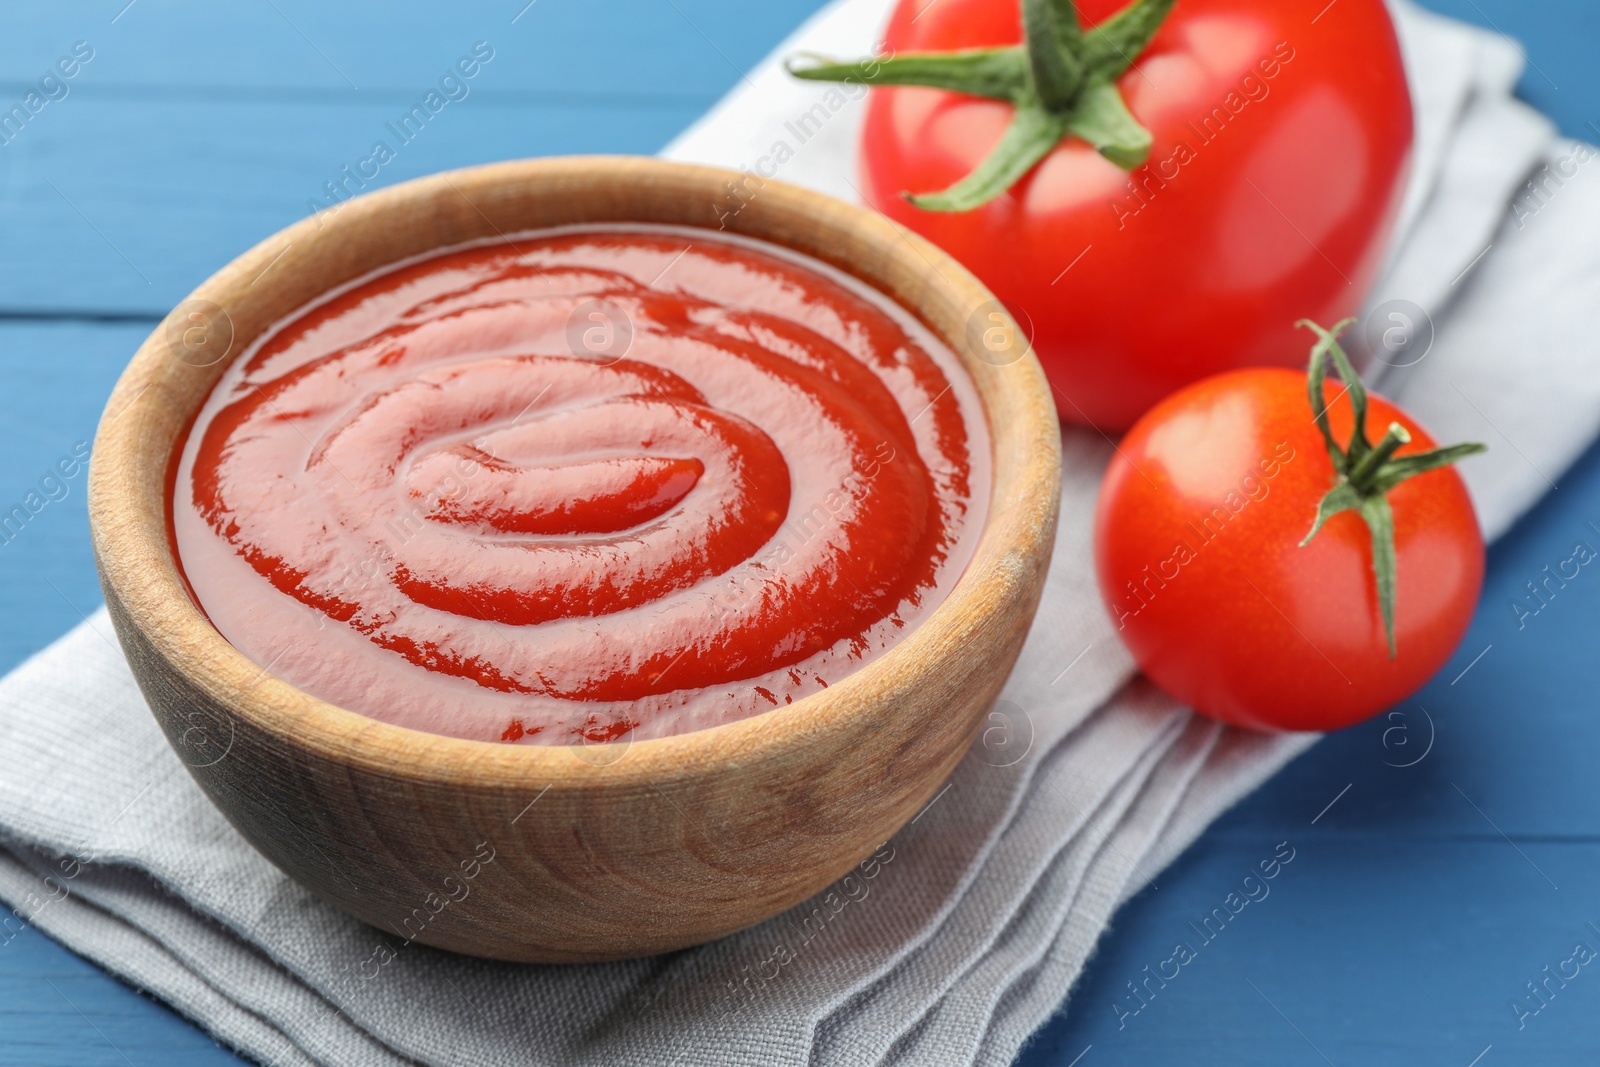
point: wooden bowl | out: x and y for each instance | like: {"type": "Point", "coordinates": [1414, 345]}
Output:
{"type": "Point", "coordinates": [567, 854]}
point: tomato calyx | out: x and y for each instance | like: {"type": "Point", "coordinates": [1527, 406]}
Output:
{"type": "Point", "coordinates": [1061, 81]}
{"type": "Point", "coordinates": [1366, 471]}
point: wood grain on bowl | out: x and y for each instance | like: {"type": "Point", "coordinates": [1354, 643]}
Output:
{"type": "Point", "coordinates": [549, 853]}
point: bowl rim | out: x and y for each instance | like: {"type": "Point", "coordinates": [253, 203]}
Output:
{"type": "Point", "coordinates": [138, 564]}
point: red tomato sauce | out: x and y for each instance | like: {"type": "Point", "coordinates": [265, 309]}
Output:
{"type": "Point", "coordinates": [577, 486]}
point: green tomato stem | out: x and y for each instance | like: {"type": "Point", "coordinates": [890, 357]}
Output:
{"type": "Point", "coordinates": [1363, 470]}
{"type": "Point", "coordinates": [1364, 473]}
{"type": "Point", "coordinates": [1061, 80]}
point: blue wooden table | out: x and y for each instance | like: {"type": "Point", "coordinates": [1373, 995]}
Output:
{"type": "Point", "coordinates": [1445, 855]}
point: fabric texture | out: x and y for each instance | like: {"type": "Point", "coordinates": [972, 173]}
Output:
{"type": "Point", "coordinates": [980, 914]}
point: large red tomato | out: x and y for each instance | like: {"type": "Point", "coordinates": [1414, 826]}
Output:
{"type": "Point", "coordinates": [1281, 131]}
{"type": "Point", "coordinates": [1199, 556]}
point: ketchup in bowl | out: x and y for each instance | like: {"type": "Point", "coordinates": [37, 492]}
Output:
{"type": "Point", "coordinates": [580, 485]}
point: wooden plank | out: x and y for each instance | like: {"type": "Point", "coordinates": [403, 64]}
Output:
{"type": "Point", "coordinates": [1386, 951]}
{"type": "Point", "coordinates": [683, 47]}
{"type": "Point", "coordinates": [102, 210]}
{"type": "Point", "coordinates": [197, 130]}
{"type": "Point", "coordinates": [57, 377]}
{"type": "Point", "coordinates": [59, 1009]}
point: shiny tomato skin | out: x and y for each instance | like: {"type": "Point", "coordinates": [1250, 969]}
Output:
{"type": "Point", "coordinates": [1132, 285]}
{"type": "Point", "coordinates": [1246, 626]}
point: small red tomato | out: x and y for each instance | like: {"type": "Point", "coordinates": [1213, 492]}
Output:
{"type": "Point", "coordinates": [1204, 562]}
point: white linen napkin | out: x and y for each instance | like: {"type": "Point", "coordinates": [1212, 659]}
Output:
{"type": "Point", "coordinates": [979, 915]}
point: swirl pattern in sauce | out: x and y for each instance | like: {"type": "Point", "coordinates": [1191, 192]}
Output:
{"type": "Point", "coordinates": [581, 485]}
